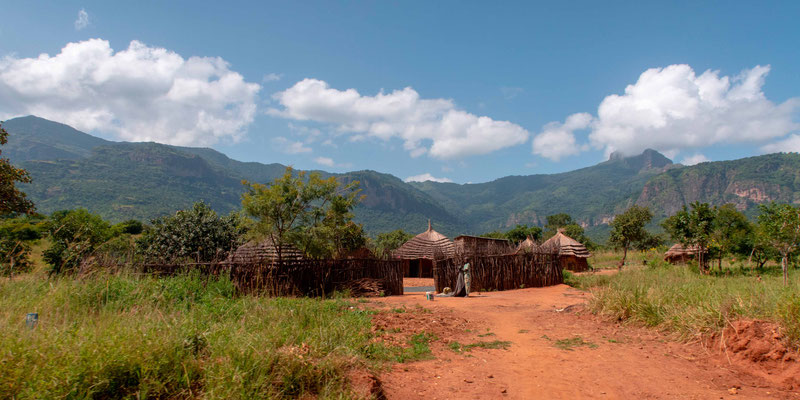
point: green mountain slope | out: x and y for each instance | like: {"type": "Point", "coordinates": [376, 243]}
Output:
{"type": "Point", "coordinates": [146, 180]}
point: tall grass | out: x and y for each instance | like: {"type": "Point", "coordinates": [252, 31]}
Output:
{"type": "Point", "coordinates": [679, 299]}
{"type": "Point", "coordinates": [177, 337]}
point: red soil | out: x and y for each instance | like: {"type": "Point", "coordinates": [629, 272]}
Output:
{"type": "Point", "coordinates": [610, 361]}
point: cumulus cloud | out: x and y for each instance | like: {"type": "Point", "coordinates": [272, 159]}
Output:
{"type": "Point", "coordinates": [790, 144]}
{"type": "Point", "coordinates": [452, 133]}
{"type": "Point", "coordinates": [693, 159]}
{"type": "Point", "coordinates": [82, 21]}
{"type": "Point", "coordinates": [557, 140]}
{"type": "Point", "coordinates": [326, 161]}
{"type": "Point", "coordinates": [289, 146]}
{"type": "Point", "coordinates": [672, 109]}
{"type": "Point", "coordinates": [426, 177]}
{"type": "Point", "coordinates": [141, 93]}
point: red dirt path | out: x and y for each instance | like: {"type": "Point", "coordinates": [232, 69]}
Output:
{"type": "Point", "coordinates": [622, 362]}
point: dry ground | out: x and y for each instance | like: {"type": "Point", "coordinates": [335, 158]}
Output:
{"type": "Point", "coordinates": [557, 351]}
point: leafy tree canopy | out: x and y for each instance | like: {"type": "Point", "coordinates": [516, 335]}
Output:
{"type": "Point", "coordinates": [307, 211]}
{"type": "Point", "coordinates": [11, 198]}
{"type": "Point", "coordinates": [196, 234]}
{"type": "Point", "coordinates": [780, 225]}
{"type": "Point", "coordinates": [627, 229]}
{"type": "Point", "coordinates": [74, 235]}
{"type": "Point", "coordinates": [390, 241]}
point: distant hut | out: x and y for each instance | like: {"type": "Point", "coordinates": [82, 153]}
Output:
{"type": "Point", "coordinates": [679, 254]}
{"type": "Point", "coordinates": [421, 250]}
{"type": "Point", "coordinates": [263, 252]}
{"type": "Point", "coordinates": [361, 253]}
{"type": "Point", "coordinates": [572, 254]}
{"type": "Point", "coordinates": [528, 246]}
{"type": "Point", "coordinates": [475, 245]}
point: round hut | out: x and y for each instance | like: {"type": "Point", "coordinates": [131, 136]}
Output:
{"type": "Point", "coordinates": [263, 252]}
{"type": "Point", "coordinates": [572, 254]}
{"type": "Point", "coordinates": [680, 254]}
{"type": "Point", "coordinates": [527, 246]}
{"type": "Point", "coordinates": [419, 252]}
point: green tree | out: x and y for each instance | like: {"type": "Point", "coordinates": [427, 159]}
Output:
{"type": "Point", "coordinates": [11, 198]}
{"type": "Point", "coordinates": [74, 235]}
{"type": "Point", "coordinates": [302, 209]}
{"type": "Point", "coordinates": [556, 222]}
{"type": "Point", "coordinates": [780, 225]}
{"type": "Point", "coordinates": [520, 232]}
{"type": "Point", "coordinates": [693, 228]}
{"type": "Point", "coordinates": [731, 229]}
{"type": "Point", "coordinates": [197, 234]}
{"type": "Point", "coordinates": [131, 227]}
{"type": "Point", "coordinates": [387, 242]}
{"type": "Point", "coordinates": [627, 229]}
{"type": "Point", "coordinates": [16, 236]}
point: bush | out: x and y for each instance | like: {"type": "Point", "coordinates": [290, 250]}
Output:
{"type": "Point", "coordinates": [74, 235]}
{"type": "Point", "coordinates": [130, 227]}
{"type": "Point", "coordinates": [197, 234]}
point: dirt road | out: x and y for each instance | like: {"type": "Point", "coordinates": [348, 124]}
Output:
{"type": "Point", "coordinates": [557, 351]}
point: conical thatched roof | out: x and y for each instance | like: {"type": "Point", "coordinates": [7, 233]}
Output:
{"type": "Point", "coordinates": [429, 244]}
{"type": "Point", "coordinates": [678, 250]}
{"type": "Point", "coordinates": [528, 246]}
{"type": "Point", "coordinates": [566, 246]}
{"type": "Point", "coordinates": [262, 251]}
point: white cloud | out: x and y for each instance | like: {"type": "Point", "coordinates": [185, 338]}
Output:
{"type": "Point", "coordinates": [790, 144]}
{"type": "Point", "coordinates": [426, 177]}
{"type": "Point", "coordinates": [271, 77]}
{"type": "Point", "coordinates": [557, 140]}
{"type": "Point", "coordinates": [326, 161]}
{"type": "Point", "coordinates": [289, 146]}
{"type": "Point", "coordinates": [141, 93]}
{"type": "Point", "coordinates": [82, 21]}
{"type": "Point", "coordinates": [452, 133]}
{"type": "Point", "coordinates": [672, 109]}
{"type": "Point", "coordinates": [695, 158]}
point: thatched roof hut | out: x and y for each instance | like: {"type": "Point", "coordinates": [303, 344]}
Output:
{"type": "Point", "coordinates": [528, 246]}
{"type": "Point", "coordinates": [572, 254]}
{"type": "Point", "coordinates": [421, 250]}
{"type": "Point", "coordinates": [427, 245]}
{"type": "Point", "coordinates": [678, 254]}
{"type": "Point", "coordinates": [264, 251]}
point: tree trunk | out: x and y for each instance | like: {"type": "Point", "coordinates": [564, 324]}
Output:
{"type": "Point", "coordinates": [624, 256]}
{"type": "Point", "coordinates": [719, 265]}
{"type": "Point", "coordinates": [784, 266]}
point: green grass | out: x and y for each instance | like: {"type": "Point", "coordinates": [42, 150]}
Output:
{"type": "Point", "coordinates": [179, 337]}
{"type": "Point", "coordinates": [681, 300]}
{"type": "Point", "coordinates": [496, 344]}
{"type": "Point", "coordinates": [418, 349]}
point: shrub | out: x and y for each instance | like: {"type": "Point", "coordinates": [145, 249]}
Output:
{"type": "Point", "coordinates": [74, 235]}
{"type": "Point", "coordinates": [197, 234]}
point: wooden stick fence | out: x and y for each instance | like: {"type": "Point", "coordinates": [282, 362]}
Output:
{"type": "Point", "coordinates": [503, 272]}
{"type": "Point", "coordinates": [316, 277]}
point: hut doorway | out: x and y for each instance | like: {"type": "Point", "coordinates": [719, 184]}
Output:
{"type": "Point", "coordinates": [420, 268]}
{"type": "Point", "coordinates": [413, 268]}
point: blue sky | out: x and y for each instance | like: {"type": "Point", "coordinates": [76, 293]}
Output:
{"type": "Point", "coordinates": [465, 91]}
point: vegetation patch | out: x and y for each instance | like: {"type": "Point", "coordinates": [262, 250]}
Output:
{"type": "Point", "coordinates": [181, 336]}
{"type": "Point", "coordinates": [496, 344]}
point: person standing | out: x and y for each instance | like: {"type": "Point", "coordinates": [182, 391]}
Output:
{"type": "Point", "coordinates": [467, 277]}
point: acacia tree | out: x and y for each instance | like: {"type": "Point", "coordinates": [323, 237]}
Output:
{"type": "Point", "coordinates": [302, 209]}
{"type": "Point", "coordinates": [780, 224]}
{"type": "Point", "coordinates": [627, 229]}
{"type": "Point", "coordinates": [12, 200]}
{"type": "Point", "coordinates": [693, 228]}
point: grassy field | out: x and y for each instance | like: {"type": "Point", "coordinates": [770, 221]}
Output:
{"type": "Point", "coordinates": [178, 337]}
{"type": "Point", "coordinates": [681, 300]}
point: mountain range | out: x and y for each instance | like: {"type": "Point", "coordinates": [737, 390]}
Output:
{"type": "Point", "coordinates": [121, 180]}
